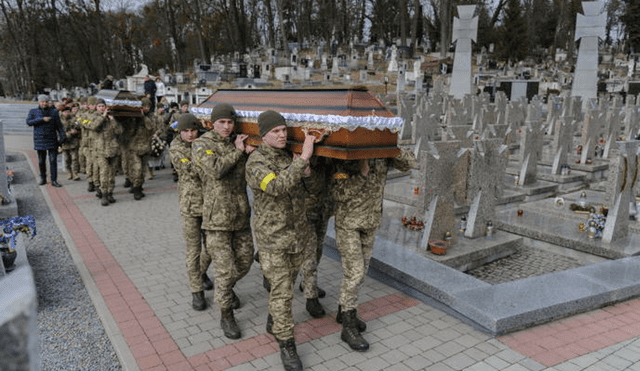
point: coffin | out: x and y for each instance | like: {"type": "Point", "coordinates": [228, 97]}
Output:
{"type": "Point", "coordinates": [358, 124]}
{"type": "Point", "coordinates": [121, 102]}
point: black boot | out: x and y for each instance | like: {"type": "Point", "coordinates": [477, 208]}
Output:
{"type": "Point", "coordinates": [127, 183]}
{"type": "Point", "coordinates": [350, 333]}
{"type": "Point", "coordinates": [91, 187]}
{"type": "Point", "coordinates": [321, 292]}
{"type": "Point", "coordinates": [99, 193]}
{"type": "Point", "coordinates": [137, 193]}
{"type": "Point", "coordinates": [269, 324]}
{"type": "Point", "coordinates": [43, 181]}
{"type": "Point", "coordinates": [228, 324]}
{"type": "Point", "coordinates": [105, 201]}
{"type": "Point", "coordinates": [110, 198]}
{"type": "Point", "coordinates": [206, 282]}
{"type": "Point", "coordinates": [198, 302]}
{"type": "Point", "coordinates": [266, 284]}
{"type": "Point", "coordinates": [235, 303]}
{"type": "Point", "coordinates": [314, 308]}
{"type": "Point", "coordinates": [362, 325]}
{"type": "Point", "coordinates": [289, 355]}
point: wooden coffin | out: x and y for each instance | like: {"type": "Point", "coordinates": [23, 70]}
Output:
{"type": "Point", "coordinates": [121, 102]}
{"type": "Point", "coordinates": [359, 125]}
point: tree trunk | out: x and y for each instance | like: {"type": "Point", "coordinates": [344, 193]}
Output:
{"type": "Point", "coordinates": [445, 26]}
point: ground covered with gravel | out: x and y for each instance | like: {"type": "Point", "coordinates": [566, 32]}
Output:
{"type": "Point", "coordinates": [72, 336]}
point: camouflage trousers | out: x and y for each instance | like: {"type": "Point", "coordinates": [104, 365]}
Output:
{"type": "Point", "coordinates": [82, 160]}
{"type": "Point", "coordinates": [198, 260]}
{"type": "Point", "coordinates": [132, 167]}
{"type": "Point", "coordinates": [281, 269]}
{"type": "Point", "coordinates": [309, 268]}
{"type": "Point", "coordinates": [232, 254]}
{"type": "Point", "coordinates": [71, 160]}
{"type": "Point", "coordinates": [93, 172]}
{"type": "Point", "coordinates": [356, 247]}
{"type": "Point", "coordinates": [107, 166]}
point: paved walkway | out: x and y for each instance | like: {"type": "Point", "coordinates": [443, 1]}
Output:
{"type": "Point", "coordinates": [131, 257]}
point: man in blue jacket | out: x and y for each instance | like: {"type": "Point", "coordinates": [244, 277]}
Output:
{"type": "Point", "coordinates": [48, 133]}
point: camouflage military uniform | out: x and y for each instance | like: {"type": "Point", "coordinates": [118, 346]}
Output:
{"type": "Point", "coordinates": [90, 137]}
{"type": "Point", "coordinates": [358, 201]}
{"type": "Point", "coordinates": [82, 157]}
{"type": "Point", "coordinates": [106, 149]}
{"type": "Point", "coordinates": [71, 145]}
{"type": "Point", "coordinates": [138, 147]}
{"type": "Point", "coordinates": [226, 212]}
{"type": "Point", "coordinates": [281, 228]}
{"type": "Point", "coordinates": [190, 196]}
{"type": "Point", "coordinates": [319, 207]}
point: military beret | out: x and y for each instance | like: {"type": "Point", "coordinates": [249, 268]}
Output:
{"type": "Point", "coordinates": [223, 111]}
{"type": "Point", "coordinates": [188, 121]}
{"type": "Point", "coordinates": [83, 100]}
{"type": "Point", "coordinates": [269, 120]}
{"type": "Point", "coordinates": [100, 101]}
{"type": "Point", "coordinates": [92, 101]}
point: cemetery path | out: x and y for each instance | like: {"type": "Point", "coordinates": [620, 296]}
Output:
{"type": "Point", "coordinates": [131, 260]}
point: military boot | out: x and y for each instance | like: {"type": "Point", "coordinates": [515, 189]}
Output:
{"type": "Point", "coordinates": [350, 333]}
{"type": "Point", "coordinates": [99, 193]}
{"type": "Point", "coordinates": [70, 176]}
{"type": "Point", "coordinates": [362, 325]}
{"type": "Point", "coordinates": [105, 201]}
{"type": "Point", "coordinates": [314, 308]}
{"type": "Point", "coordinates": [269, 324]}
{"type": "Point", "coordinates": [91, 187]}
{"type": "Point", "coordinates": [109, 197]}
{"type": "Point", "coordinates": [228, 324]}
{"type": "Point", "coordinates": [206, 282]}
{"type": "Point", "coordinates": [127, 183]}
{"type": "Point", "coordinates": [198, 302]}
{"type": "Point", "coordinates": [289, 355]}
{"type": "Point", "coordinates": [137, 193]}
{"type": "Point", "coordinates": [75, 176]}
{"type": "Point", "coordinates": [235, 301]}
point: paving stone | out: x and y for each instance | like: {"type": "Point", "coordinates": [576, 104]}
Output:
{"type": "Point", "coordinates": [450, 348]}
{"type": "Point", "coordinates": [481, 366]}
{"type": "Point", "coordinates": [497, 362]}
{"type": "Point", "coordinates": [459, 361]}
{"type": "Point", "coordinates": [374, 364]}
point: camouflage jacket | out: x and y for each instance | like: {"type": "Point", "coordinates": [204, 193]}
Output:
{"type": "Point", "coordinates": [318, 203]}
{"type": "Point", "coordinates": [220, 166]}
{"type": "Point", "coordinates": [106, 131]}
{"type": "Point", "coordinates": [358, 198]}
{"type": "Point", "coordinates": [81, 121]}
{"type": "Point", "coordinates": [279, 222]}
{"type": "Point", "coordinates": [141, 133]}
{"type": "Point", "coordinates": [93, 135]}
{"type": "Point", "coordinates": [189, 184]}
{"type": "Point", "coordinates": [72, 140]}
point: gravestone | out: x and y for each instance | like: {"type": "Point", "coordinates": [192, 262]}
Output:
{"type": "Point", "coordinates": [485, 184]}
{"type": "Point", "coordinates": [442, 176]}
{"type": "Point", "coordinates": [401, 82]}
{"type": "Point", "coordinates": [406, 111]}
{"type": "Point", "coordinates": [589, 27]}
{"type": "Point", "coordinates": [393, 63]}
{"type": "Point", "coordinates": [465, 30]}
{"type": "Point", "coordinates": [561, 144]}
{"type": "Point", "coordinates": [335, 69]}
{"type": "Point", "coordinates": [621, 183]}
{"type": "Point", "coordinates": [590, 126]}
{"type": "Point", "coordinates": [531, 142]}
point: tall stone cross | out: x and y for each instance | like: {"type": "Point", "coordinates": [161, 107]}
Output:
{"type": "Point", "coordinates": [589, 27]}
{"type": "Point", "coordinates": [623, 178]}
{"type": "Point", "coordinates": [465, 30]}
{"type": "Point", "coordinates": [531, 143]}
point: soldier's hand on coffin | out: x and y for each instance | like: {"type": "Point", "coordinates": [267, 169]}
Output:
{"type": "Point", "coordinates": [239, 142]}
{"type": "Point", "coordinates": [364, 167]}
{"type": "Point", "coordinates": [307, 146]}
{"type": "Point", "coordinates": [249, 148]}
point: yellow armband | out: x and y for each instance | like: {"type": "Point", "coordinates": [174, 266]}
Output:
{"type": "Point", "coordinates": [266, 180]}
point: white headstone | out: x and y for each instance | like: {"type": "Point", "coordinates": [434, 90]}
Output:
{"type": "Point", "coordinates": [465, 30]}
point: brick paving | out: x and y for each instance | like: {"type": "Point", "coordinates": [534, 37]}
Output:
{"type": "Point", "coordinates": [133, 254]}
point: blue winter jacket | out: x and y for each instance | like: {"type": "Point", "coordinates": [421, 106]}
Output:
{"type": "Point", "coordinates": [46, 135]}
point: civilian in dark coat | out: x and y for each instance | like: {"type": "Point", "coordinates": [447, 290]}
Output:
{"type": "Point", "coordinates": [48, 133]}
{"type": "Point", "coordinates": [150, 89]}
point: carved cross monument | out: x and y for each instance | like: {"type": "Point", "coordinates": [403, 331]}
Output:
{"type": "Point", "coordinates": [465, 29]}
{"type": "Point", "coordinates": [589, 27]}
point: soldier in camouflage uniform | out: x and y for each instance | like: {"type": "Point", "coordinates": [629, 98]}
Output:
{"type": "Point", "coordinates": [91, 139]}
{"type": "Point", "coordinates": [318, 208]}
{"type": "Point", "coordinates": [280, 224]}
{"type": "Point", "coordinates": [71, 143]}
{"type": "Point", "coordinates": [138, 148]}
{"type": "Point", "coordinates": [190, 196]}
{"type": "Point", "coordinates": [220, 159]}
{"type": "Point", "coordinates": [357, 189]}
{"type": "Point", "coordinates": [78, 111]}
{"type": "Point", "coordinates": [107, 146]}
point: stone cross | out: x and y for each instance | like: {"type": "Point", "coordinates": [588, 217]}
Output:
{"type": "Point", "coordinates": [589, 27]}
{"type": "Point", "coordinates": [561, 144]}
{"type": "Point", "coordinates": [406, 112]}
{"type": "Point", "coordinates": [488, 163]}
{"type": "Point", "coordinates": [531, 142]}
{"type": "Point", "coordinates": [335, 69]}
{"type": "Point", "coordinates": [443, 175]}
{"type": "Point", "coordinates": [623, 177]}
{"type": "Point", "coordinates": [465, 30]}
{"type": "Point", "coordinates": [590, 126]}
{"type": "Point", "coordinates": [393, 63]}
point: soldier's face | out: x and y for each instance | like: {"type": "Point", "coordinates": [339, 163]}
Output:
{"type": "Point", "coordinates": [224, 127]}
{"type": "Point", "coordinates": [101, 107]}
{"type": "Point", "coordinates": [92, 107]}
{"type": "Point", "coordinates": [189, 135]}
{"type": "Point", "coordinates": [276, 137]}
{"type": "Point", "coordinates": [184, 108]}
